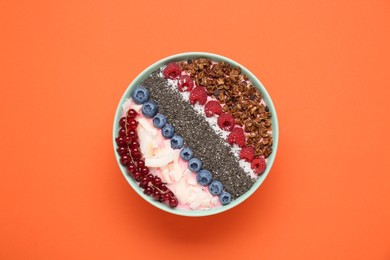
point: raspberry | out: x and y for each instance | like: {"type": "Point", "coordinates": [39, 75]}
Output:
{"type": "Point", "coordinates": [226, 121]}
{"type": "Point", "coordinates": [185, 83]}
{"type": "Point", "coordinates": [172, 71]}
{"type": "Point", "coordinates": [198, 94]}
{"type": "Point", "coordinates": [258, 165]}
{"type": "Point", "coordinates": [237, 136]}
{"type": "Point", "coordinates": [212, 108]}
{"type": "Point", "coordinates": [247, 153]}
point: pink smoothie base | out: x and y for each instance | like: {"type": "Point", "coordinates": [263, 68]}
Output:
{"type": "Point", "coordinates": [166, 163]}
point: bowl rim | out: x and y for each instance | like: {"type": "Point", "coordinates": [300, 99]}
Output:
{"type": "Point", "coordinates": [254, 80]}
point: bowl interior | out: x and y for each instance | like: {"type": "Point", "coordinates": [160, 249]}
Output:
{"type": "Point", "coordinates": [192, 55]}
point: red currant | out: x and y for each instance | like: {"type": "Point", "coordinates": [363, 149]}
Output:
{"type": "Point", "coordinates": [137, 176]}
{"type": "Point", "coordinates": [148, 191]}
{"type": "Point", "coordinates": [132, 124]}
{"type": "Point", "coordinates": [140, 163]}
{"type": "Point", "coordinates": [122, 132]}
{"type": "Point", "coordinates": [123, 122]}
{"type": "Point", "coordinates": [156, 194]}
{"type": "Point", "coordinates": [122, 150]}
{"type": "Point", "coordinates": [136, 155]}
{"type": "Point", "coordinates": [144, 181]}
{"type": "Point", "coordinates": [120, 141]}
{"type": "Point", "coordinates": [128, 139]}
{"type": "Point", "coordinates": [125, 160]}
{"type": "Point", "coordinates": [131, 167]}
{"type": "Point", "coordinates": [133, 134]}
{"type": "Point", "coordinates": [131, 113]}
{"type": "Point", "coordinates": [134, 144]}
{"type": "Point", "coordinates": [144, 170]}
{"type": "Point", "coordinates": [173, 202]}
{"type": "Point", "coordinates": [167, 197]}
{"type": "Point", "coordinates": [163, 187]}
{"type": "Point", "coordinates": [157, 181]}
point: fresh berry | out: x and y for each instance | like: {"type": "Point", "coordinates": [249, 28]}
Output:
{"type": "Point", "coordinates": [226, 121]}
{"type": "Point", "coordinates": [203, 177]}
{"type": "Point", "coordinates": [177, 142]}
{"type": "Point", "coordinates": [131, 113]}
{"type": "Point", "coordinates": [198, 94]}
{"type": "Point", "coordinates": [148, 191]}
{"type": "Point", "coordinates": [140, 163]}
{"type": "Point", "coordinates": [185, 83]}
{"type": "Point", "coordinates": [168, 131]}
{"type": "Point", "coordinates": [172, 71]}
{"type": "Point", "coordinates": [137, 176]}
{"type": "Point", "coordinates": [120, 141]}
{"type": "Point", "coordinates": [149, 109]}
{"type": "Point", "coordinates": [140, 95]}
{"type": "Point", "coordinates": [247, 153]}
{"type": "Point", "coordinates": [159, 121]}
{"type": "Point", "coordinates": [216, 188]}
{"type": "Point", "coordinates": [212, 107]}
{"type": "Point", "coordinates": [194, 164]}
{"type": "Point", "coordinates": [157, 181]}
{"type": "Point", "coordinates": [225, 198]}
{"type": "Point", "coordinates": [123, 121]}
{"type": "Point", "coordinates": [131, 123]}
{"type": "Point", "coordinates": [237, 136]}
{"type": "Point", "coordinates": [173, 202]}
{"type": "Point", "coordinates": [131, 168]}
{"type": "Point", "coordinates": [125, 159]}
{"type": "Point", "coordinates": [258, 165]}
{"type": "Point", "coordinates": [186, 154]}
{"type": "Point", "coordinates": [121, 150]}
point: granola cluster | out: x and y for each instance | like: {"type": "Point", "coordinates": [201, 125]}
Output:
{"type": "Point", "coordinates": [238, 97]}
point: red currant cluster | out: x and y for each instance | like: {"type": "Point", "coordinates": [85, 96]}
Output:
{"type": "Point", "coordinates": [131, 157]}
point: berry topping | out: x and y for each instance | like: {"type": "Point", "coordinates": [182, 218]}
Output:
{"type": "Point", "coordinates": [186, 154]}
{"type": "Point", "coordinates": [177, 142]}
{"type": "Point", "coordinates": [258, 165]}
{"type": "Point", "coordinates": [173, 202]}
{"type": "Point", "coordinates": [140, 95]}
{"type": "Point", "coordinates": [194, 164]}
{"type": "Point", "coordinates": [226, 121]}
{"type": "Point", "coordinates": [225, 198]}
{"type": "Point", "coordinates": [185, 83]}
{"type": "Point", "coordinates": [167, 131]}
{"type": "Point", "coordinates": [237, 136]}
{"type": "Point", "coordinates": [131, 113]}
{"type": "Point", "coordinates": [216, 188]}
{"type": "Point", "coordinates": [159, 121]}
{"type": "Point", "coordinates": [203, 177]}
{"type": "Point", "coordinates": [247, 153]}
{"type": "Point", "coordinates": [172, 71]}
{"type": "Point", "coordinates": [198, 94]}
{"type": "Point", "coordinates": [212, 108]}
{"type": "Point", "coordinates": [149, 109]}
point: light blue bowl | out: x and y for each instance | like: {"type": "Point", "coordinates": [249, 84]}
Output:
{"type": "Point", "coordinates": [185, 56]}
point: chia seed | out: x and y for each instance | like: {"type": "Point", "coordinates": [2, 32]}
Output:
{"type": "Point", "coordinates": [214, 152]}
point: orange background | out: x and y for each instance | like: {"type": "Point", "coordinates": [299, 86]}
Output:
{"type": "Point", "coordinates": [65, 64]}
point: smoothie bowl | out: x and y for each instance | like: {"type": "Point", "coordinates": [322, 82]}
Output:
{"type": "Point", "coordinates": [195, 134]}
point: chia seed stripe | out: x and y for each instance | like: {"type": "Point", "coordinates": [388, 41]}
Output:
{"type": "Point", "coordinates": [214, 152]}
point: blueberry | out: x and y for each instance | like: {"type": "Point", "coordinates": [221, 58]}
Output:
{"type": "Point", "coordinates": [216, 187]}
{"type": "Point", "coordinates": [186, 154]}
{"type": "Point", "coordinates": [149, 109]}
{"type": "Point", "coordinates": [225, 198]}
{"type": "Point", "coordinates": [203, 177]}
{"type": "Point", "coordinates": [194, 164]}
{"type": "Point", "coordinates": [177, 142]}
{"type": "Point", "coordinates": [168, 131]}
{"type": "Point", "coordinates": [159, 121]}
{"type": "Point", "coordinates": [140, 95]}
